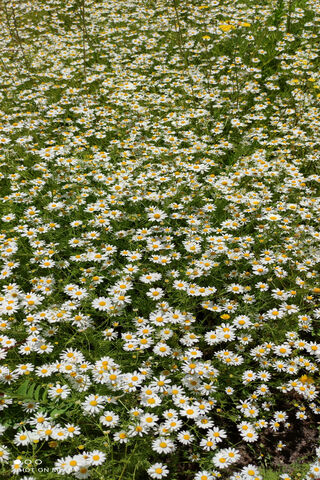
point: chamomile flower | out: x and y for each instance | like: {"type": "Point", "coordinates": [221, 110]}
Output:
{"type": "Point", "coordinates": [4, 454]}
{"type": "Point", "coordinates": [121, 436]}
{"type": "Point", "coordinates": [155, 293]}
{"type": "Point", "coordinates": [93, 404]}
{"type": "Point", "coordinates": [16, 467]}
{"type": "Point", "coordinates": [156, 215]}
{"type": "Point", "coordinates": [23, 438]}
{"type": "Point", "coordinates": [158, 470]}
{"type": "Point", "coordinates": [59, 391]}
{"type": "Point", "coordinates": [204, 475]}
{"type": "Point", "coordinates": [96, 457]}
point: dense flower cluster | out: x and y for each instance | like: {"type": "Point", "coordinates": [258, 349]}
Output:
{"type": "Point", "coordinates": [159, 242]}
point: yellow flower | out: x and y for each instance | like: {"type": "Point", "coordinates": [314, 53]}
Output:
{"type": "Point", "coordinates": [245, 24]}
{"type": "Point", "coordinates": [306, 379]}
{"type": "Point", "coordinates": [226, 27]}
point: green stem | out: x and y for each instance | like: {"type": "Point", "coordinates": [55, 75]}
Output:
{"type": "Point", "coordinates": [127, 461]}
{"type": "Point", "coordinates": [289, 17]}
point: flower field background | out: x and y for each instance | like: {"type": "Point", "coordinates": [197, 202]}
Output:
{"type": "Point", "coordinates": [159, 239]}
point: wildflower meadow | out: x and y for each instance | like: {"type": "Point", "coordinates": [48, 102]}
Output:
{"type": "Point", "coordinates": [159, 239]}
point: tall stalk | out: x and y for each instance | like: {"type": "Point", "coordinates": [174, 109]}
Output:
{"type": "Point", "coordinates": [183, 52]}
{"type": "Point", "coordinates": [289, 16]}
{"type": "Point", "coordinates": [84, 36]}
